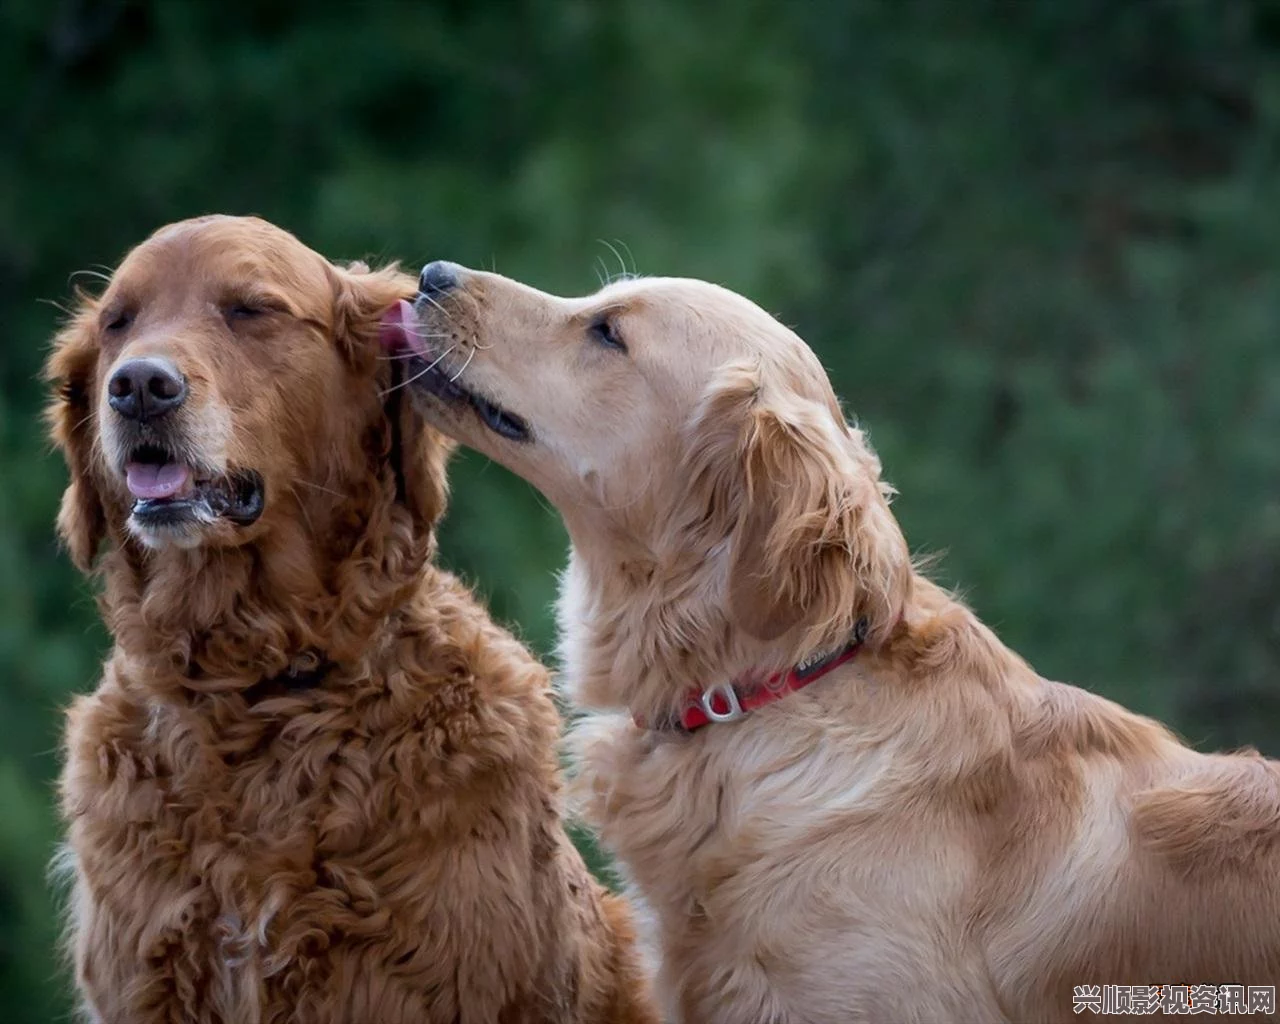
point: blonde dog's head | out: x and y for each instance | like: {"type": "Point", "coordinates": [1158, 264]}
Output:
{"type": "Point", "coordinates": [692, 443]}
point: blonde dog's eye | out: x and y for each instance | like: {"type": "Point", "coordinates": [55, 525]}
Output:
{"type": "Point", "coordinates": [603, 331]}
{"type": "Point", "coordinates": [120, 320]}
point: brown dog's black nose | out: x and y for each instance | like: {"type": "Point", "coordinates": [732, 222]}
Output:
{"type": "Point", "coordinates": [146, 389]}
{"type": "Point", "coordinates": [438, 277]}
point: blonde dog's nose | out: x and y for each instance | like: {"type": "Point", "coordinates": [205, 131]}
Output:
{"type": "Point", "coordinates": [438, 277]}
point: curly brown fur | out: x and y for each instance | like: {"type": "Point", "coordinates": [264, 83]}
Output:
{"type": "Point", "coordinates": [382, 846]}
{"type": "Point", "coordinates": [931, 832]}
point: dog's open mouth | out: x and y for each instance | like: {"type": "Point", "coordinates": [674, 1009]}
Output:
{"type": "Point", "coordinates": [168, 491]}
{"type": "Point", "coordinates": [427, 373]}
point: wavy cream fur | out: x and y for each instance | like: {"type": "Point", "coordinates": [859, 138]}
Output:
{"type": "Point", "coordinates": [931, 833]}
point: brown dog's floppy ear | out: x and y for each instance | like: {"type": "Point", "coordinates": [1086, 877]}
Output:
{"type": "Point", "coordinates": [417, 453]}
{"type": "Point", "coordinates": [70, 368]}
{"type": "Point", "coordinates": [361, 296]}
{"type": "Point", "coordinates": [813, 542]}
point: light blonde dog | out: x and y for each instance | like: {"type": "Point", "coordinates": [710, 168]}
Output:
{"type": "Point", "coordinates": [932, 832]}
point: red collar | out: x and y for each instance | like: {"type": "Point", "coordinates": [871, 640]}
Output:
{"type": "Point", "coordinates": [727, 702]}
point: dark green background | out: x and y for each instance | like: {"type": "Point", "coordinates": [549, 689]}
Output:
{"type": "Point", "coordinates": [1034, 241]}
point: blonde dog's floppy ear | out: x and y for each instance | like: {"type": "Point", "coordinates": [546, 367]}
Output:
{"type": "Point", "coordinates": [813, 543]}
{"type": "Point", "coordinates": [71, 368]}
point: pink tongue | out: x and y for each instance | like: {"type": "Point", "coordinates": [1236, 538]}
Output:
{"type": "Point", "coordinates": [399, 331]}
{"type": "Point", "coordinates": [146, 480]}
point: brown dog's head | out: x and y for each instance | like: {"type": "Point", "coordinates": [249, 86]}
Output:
{"type": "Point", "coordinates": [686, 437]}
{"type": "Point", "coordinates": [224, 387]}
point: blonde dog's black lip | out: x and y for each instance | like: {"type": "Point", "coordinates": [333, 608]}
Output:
{"type": "Point", "coordinates": [435, 381]}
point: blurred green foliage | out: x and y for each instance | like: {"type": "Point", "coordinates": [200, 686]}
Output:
{"type": "Point", "coordinates": [1033, 240]}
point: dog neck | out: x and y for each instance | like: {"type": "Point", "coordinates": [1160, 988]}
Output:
{"type": "Point", "coordinates": [727, 701]}
{"type": "Point", "coordinates": [633, 641]}
{"type": "Point", "coordinates": [316, 592]}
{"type": "Point", "coordinates": [637, 635]}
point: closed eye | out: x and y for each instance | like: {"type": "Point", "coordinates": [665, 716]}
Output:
{"type": "Point", "coordinates": [120, 320]}
{"type": "Point", "coordinates": [244, 311]}
{"type": "Point", "coordinates": [606, 334]}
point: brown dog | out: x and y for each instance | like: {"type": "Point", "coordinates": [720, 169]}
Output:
{"type": "Point", "coordinates": [316, 782]}
{"type": "Point", "coordinates": [841, 797]}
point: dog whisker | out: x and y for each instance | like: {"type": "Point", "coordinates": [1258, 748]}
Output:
{"type": "Point", "coordinates": [302, 505]}
{"type": "Point", "coordinates": [422, 334]}
{"type": "Point", "coordinates": [399, 356]}
{"type": "Point", "coordinates": [64, 310]}
{"type": "Point", "coordinates": [318, 487]}
{"type": "Point", "coordinates": [470, 355]}
{"type": "Point", "coordinates": [635, 267]}
{"type": "Point", "coordinates": [95, 274]}
{"type": "Point", "coordinates": [440, 359]}
{"type": "Point", "coordinates": [618, 256]}
{"type": "Point", "coordinates": [624, 274]}
{"type": "Point", "coordinates": [421, 373]}
{"type": "Point", "coordinates": [443, 312]}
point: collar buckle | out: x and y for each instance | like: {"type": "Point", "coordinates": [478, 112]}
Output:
{"type": "Point", "coordinates": [728, 698]}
